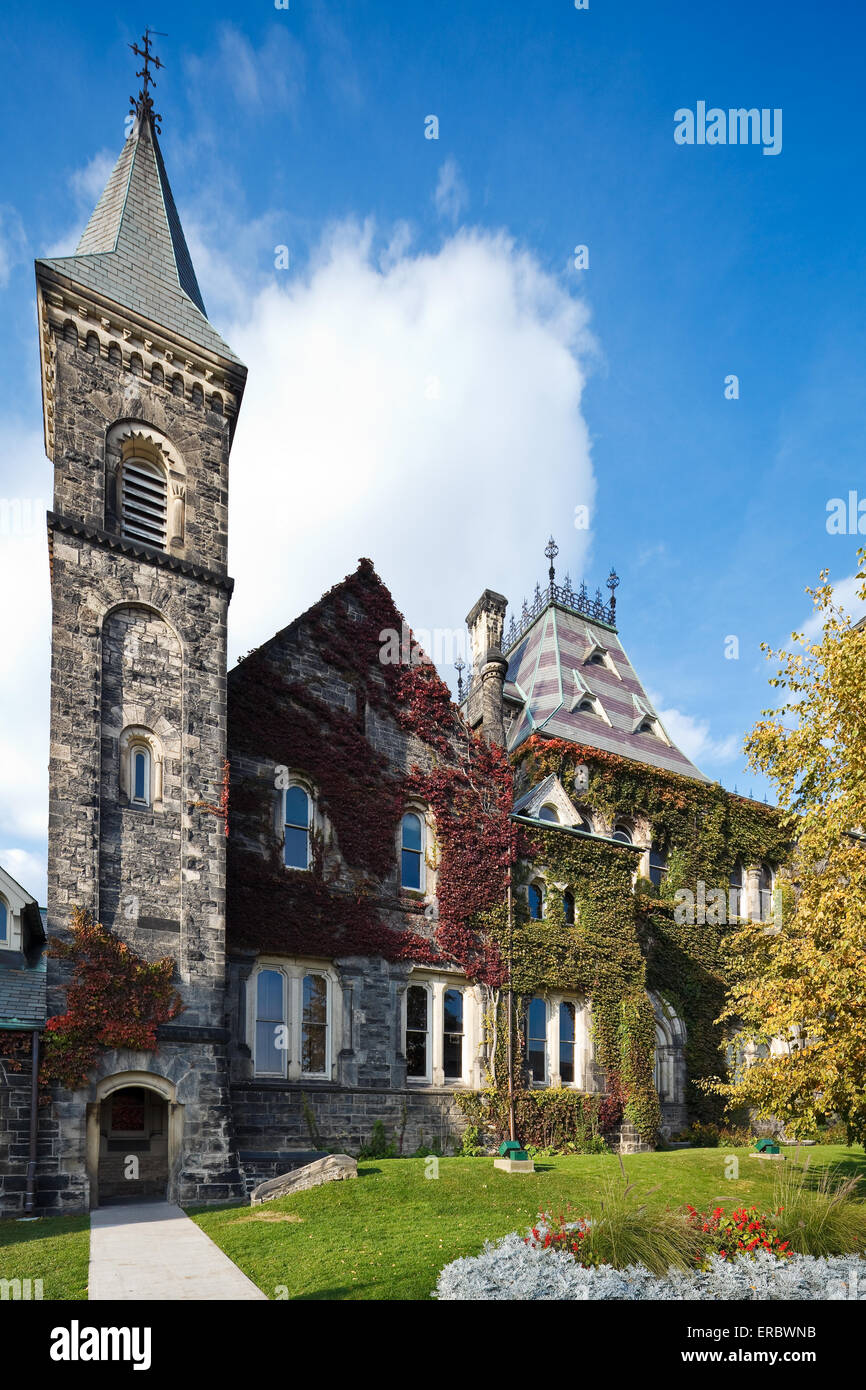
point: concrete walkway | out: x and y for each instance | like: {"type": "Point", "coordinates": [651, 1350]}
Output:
{"type": "Point", "coordinates": [151, 1250]}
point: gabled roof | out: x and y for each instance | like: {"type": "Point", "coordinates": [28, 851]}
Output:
{"type": "Point", "coordinates": [133, 250]}
{"type": "Point", "coordinates": [549, 792]}
{"type": "Point", "coordinates": [549, 669]}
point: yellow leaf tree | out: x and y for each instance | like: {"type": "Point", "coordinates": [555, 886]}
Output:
{"type": "Point", "coordinates": [799, 985]}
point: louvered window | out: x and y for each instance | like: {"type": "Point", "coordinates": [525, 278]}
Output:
{"type": "Point", "coordinates": [144, 502]}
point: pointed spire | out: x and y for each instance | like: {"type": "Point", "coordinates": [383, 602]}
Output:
{"type": "Point", "coordinates": [133, 251]}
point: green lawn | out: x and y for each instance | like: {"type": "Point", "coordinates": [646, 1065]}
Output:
{"type": "Point", "coordinates": [55, 1249]}
{"type": "Point", "coordinates": [387, 1234]}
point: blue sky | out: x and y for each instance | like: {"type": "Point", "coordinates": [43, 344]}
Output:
{"type": "Point", "coordinates": [540, 387]}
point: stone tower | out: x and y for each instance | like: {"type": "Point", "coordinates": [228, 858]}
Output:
{"type": "Point", "coordinates": [140, 399]}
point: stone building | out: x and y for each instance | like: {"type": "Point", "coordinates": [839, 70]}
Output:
{"type": "Point", "coordinates": [302, 902]}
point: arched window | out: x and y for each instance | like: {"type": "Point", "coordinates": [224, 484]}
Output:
{"type": "Point", "coordinates": [157, 375]}
{"type": "Point", "coordinates": [92, 344]}
{"type": "Point", "coordinates": [177, 384]}
{"type": "Point", "coordinates": [296, 828]}
{"type": "Point", "coordinates": [4, 923]}
{"type": "Point", "coordinates": [412, 852]}
{"type": "Point", "coordinates": [418, 1032]}
{"type": "Point", "coordinates": [144, 501]}
{"type": "Point", "coordinates": [140, 781]}
{"type": "Point", "coordinates": [584, 825]}
{"type": "Point", "coordinates": [549, 813]}
{"type": "Point", "coordinates": [658, 865]}
{"type": "Point", "coordinates": [568, 906]}
{"type": "Point", "coordinates": [452, 1028]}
{"type": "Point", "coordinates": [597, 659]}
{"type": "Point", "coordinates": [735, 895]}
{"type": "Point", "coordinates": [623, 834]}
{"type": "Point", "coordinates": [765, 894]}
{"type": "Point", "coordinates": [271, 1047]}
{"type": "Point", "coordinates": [536, 1039]}
{"type": "Point", "coordinates": [115, 356]}
{"type": "Point", "coordinates": [587, 707]}
{"type": "Point", "coordinates": [536, 902]}
{"type": "Point", "coordinates": [314, 1026]}
{"type": "Point", "coordinates": [567, 1036]}
{"type": "Point", "coordinates": [136, 366]}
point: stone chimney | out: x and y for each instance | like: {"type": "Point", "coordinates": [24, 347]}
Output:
{"type": "Point", "coordinates": [485, 622]}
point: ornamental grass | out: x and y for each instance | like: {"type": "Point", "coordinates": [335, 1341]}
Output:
{"type": "Point", "coordinates": [819, 1214]}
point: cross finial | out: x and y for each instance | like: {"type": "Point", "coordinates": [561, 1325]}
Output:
{"type": "Point", "coordinates": [551, 550]}
{"type": "Point", "coordinates": [144, 101]}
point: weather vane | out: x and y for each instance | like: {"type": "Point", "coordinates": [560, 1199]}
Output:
{"type": "Point", "coordinates": [145, 100]}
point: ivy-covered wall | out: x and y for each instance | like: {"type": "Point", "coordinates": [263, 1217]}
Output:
{"type": "Point", "coordinates": [625, 942]}
{"type": "Point", "coordinates": [374, 736]}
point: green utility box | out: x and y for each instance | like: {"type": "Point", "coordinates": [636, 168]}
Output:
{"type": "Point", "coordinates": [767, 1146]}
{"type": "Point", "coordinates": [510, 1148]}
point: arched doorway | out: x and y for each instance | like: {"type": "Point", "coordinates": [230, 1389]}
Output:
{"type": "Point", "coordinates": [133, 1141]}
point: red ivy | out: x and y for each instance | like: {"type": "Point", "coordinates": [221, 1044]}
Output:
{"type": "Point", "coordinates": [115, 999]}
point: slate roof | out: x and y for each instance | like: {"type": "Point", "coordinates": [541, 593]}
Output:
{"type": "Point", "coordinates": [549, 673]}
{"type": "Point", "coordinates": [22, 992]}
{"type": "Point", "coordinates": [133, 250]}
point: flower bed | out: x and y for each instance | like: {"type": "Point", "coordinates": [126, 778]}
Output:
{"type": "Point", "coordinates": [513, 1269]}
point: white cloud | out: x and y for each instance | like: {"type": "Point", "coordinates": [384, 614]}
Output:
{"type": "Point", "coordinates": [420, 409]}
{"type": "Point", "coordinates": [13, 243]}
{"type": "Point", "coordinates": [24, 637]}
{"type": "Point", "coordinates": [451, 196]}
{"type": "Point", "coordinates": [27, 869]}
{"type": "Point", "coordinates": [271, 76]}
{"type": "Point", "coordinates": [694, 738]}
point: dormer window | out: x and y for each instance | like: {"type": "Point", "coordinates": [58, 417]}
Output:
{"type": "Point", "coordinates": [4, 923]}
{"type": "Point", "coordinates": [597, 659]}
{"type": "Point", "coordinates": [144, 501]}
{"type": "Point", "coordinates": [549, 813]}
{"type": "Point", "coordinates": [296, 828]}
{"type": "Point", "coordinates": [623, 834]}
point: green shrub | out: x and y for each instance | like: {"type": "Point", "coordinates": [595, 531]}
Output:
{"type": "Point", "coordinates": [378, 1145]}
{"type": "Point", "coordinates": [710, 1136]}
{"type": "Point", "coordinates": [472, 1145]}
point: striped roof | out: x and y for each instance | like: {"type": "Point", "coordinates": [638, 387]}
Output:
{"type": "Point", "coordinates": [133, 250]}
{"type": "Point", "coordinates": [566, 659]}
